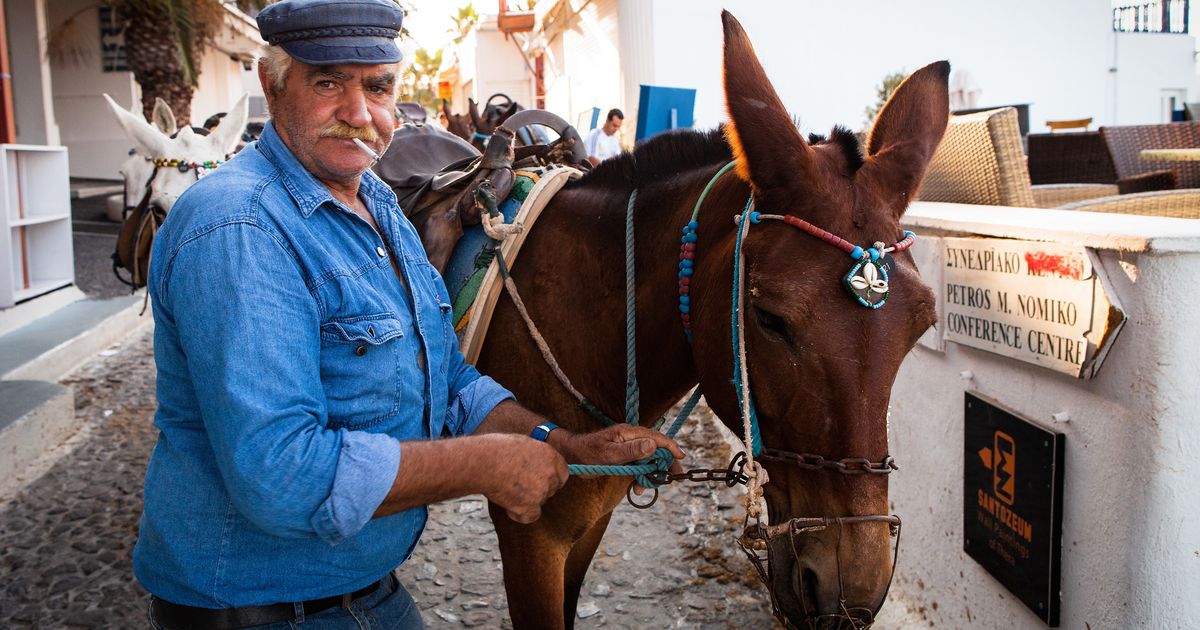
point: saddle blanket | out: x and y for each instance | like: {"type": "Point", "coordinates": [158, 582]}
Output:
{"type": "Point", "coordinates": [472, 275]}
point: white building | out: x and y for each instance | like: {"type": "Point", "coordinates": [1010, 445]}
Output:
{"type": "Point", "coordinates": [826, 57]}
{"type": "Point", "coordinates": [59, 101]}
{"type": "Point", "coordinates": [487, 62]}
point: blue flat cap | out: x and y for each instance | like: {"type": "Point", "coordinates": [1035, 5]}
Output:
{"type": "Point", "coordinates": [326, 32]}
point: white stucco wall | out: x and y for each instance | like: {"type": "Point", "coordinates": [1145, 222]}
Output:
{"type": "Point", "coordinates": [26, 25]}
{"type": "Point", "coordinates": [87, 127]}
{"type": "Point", "coordinates": [584, 64]}
{"type": "Point", "coordinates": [488, 64]}
{"type": "Point", "coordinates": [1131, 526]}
{"type": "Point", "coordinates": [826, 57]}
{"type": "Point", "coordinates": [97, 144]}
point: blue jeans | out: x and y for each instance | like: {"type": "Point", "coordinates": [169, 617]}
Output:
{"type": "Point", "coordinates": [389, 608]}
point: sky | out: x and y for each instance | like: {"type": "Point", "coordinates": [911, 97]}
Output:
{"type": "Point", "coordinates": [429, 21]}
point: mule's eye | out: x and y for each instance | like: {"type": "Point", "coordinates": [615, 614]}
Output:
{"type": "Point", "coordinates": [772, 323]}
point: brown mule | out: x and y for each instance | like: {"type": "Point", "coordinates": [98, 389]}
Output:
{"type": "Point", "coordinates": [821, 366]}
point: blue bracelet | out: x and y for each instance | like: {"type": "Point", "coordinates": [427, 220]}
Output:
{"type": "Point", "coordinates": [542, 431]}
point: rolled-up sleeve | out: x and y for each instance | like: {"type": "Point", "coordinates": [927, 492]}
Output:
{"type": "Point", "coordinates": [251, 333]}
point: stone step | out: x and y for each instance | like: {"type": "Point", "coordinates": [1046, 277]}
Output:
{"type": "Point", "coordinates": [45, 341]}
{"type": "Point", "coordinates": [52, 345]}
{"type": "Point", "coordinates": [35, 417]}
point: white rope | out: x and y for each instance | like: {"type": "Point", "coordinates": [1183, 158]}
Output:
{"type": "Point", "coordinates": [511, 287]}
{"type": "Point", "coordinates": [754, 471]}
{"type": "Point", "coordinates": [496, 228]}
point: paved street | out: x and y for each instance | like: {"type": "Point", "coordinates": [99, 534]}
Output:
{"type": "Point", "coordinates": [66, 537]}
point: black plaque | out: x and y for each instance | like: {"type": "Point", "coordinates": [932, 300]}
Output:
{"type": "Point", "coordinates": [1012, 503]}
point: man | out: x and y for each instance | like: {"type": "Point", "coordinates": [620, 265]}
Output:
{"type": "Point", "coordinates": [307, 365]}
{"type": "Point", "coordinates": [604, 142]}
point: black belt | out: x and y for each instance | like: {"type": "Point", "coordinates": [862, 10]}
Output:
{"type": "Point", "coordinates": [179, 617]}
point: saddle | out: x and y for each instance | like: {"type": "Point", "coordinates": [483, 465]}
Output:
{"type": "Point", "coordinates": [135, 241]}
{"type": "Point", "coordinates": [441, 181]}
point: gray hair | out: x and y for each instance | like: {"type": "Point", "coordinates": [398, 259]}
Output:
{"type": "Point", "coordinates": [278, 63]}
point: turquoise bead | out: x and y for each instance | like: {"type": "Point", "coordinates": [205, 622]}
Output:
{"type": "Point", "coordinates": [858, 253]}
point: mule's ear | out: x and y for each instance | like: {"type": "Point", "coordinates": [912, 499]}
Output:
{"type": "Point", "coordinates": [164, 118]}
{"type": "Point", "coordinates": [148, 141]}
{"type": "Point", "coordinates": [227, 134]}
{"type": "Point", "coordinates": [766, 144]}
{"type": "Point", "coordinates": [908, 130]}
{"type": "Point", "coordinates": [473, 110]}
{"type": "Point", "coordinates": [446, 108]}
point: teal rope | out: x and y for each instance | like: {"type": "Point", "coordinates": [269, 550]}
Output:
{"type": "Point", "coordinates": [632, 393]}
{"type": "Point", "coordinates": [708, 187]}
{"type": "Point", "coordinates": [660, 460]}
{"type": "Point", "coordinates": [742, 391]}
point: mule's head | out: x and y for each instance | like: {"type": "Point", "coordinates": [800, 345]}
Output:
{"type": "Point", "coordinates": [154, 147]}
{"type": "Point", "coordinates": [821, 365]}
{"type": "Point", "coordinates": [457, 124]}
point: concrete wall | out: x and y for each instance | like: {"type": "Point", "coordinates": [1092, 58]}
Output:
{"type": "Point", "coordinates": [826, 57]}
{"type": "Point", "coordinates": [1131, 527]}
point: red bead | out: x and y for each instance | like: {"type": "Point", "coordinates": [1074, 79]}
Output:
{"type": "Point", "coordinates": [686, 318]}
{"type": "Point", "coordinates": [685, 281]}
{"type": "Point", "coordinates": [689, 247]}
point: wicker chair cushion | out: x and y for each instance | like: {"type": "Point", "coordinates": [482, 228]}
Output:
{"type": "Point", "coordinates": [1070, 158]}
{"type": "Point", "coordinates": [1126, 142]}
{"type": "Point", "coordinates": [980, 161]}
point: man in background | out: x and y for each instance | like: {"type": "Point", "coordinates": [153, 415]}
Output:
{"type": "Point", "coordinates": [605, 141]}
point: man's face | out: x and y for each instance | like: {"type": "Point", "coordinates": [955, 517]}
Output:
{"type": "Point", "coordinates": [612, 125]}
{"type": "Point", "coordinates": [323, 108]}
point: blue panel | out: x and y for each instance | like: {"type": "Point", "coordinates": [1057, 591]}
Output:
{"type": "Point", "coordinates": [663, 108]}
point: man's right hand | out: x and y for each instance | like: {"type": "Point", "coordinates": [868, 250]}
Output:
{"type": "Point", "coordinates": [524, 473]}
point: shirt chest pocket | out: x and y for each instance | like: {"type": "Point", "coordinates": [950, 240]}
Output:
{"type": "Point", "coordinates": [360, 361]}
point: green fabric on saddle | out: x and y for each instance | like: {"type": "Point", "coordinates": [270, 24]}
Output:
{"type": "Point", "coordinates": [523, 184]}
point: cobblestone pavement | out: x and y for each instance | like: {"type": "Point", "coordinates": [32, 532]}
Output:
{"type": "Point", "coordinates": [66, 536]}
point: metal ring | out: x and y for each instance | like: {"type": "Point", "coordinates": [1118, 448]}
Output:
{"type": "Point", "coordinates": [641, 506]}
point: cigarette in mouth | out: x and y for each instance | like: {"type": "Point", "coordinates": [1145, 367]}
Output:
{"type": "Point", "coordinates": [366, 149]}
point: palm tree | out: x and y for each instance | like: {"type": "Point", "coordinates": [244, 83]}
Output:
{"type": "Point", "coordinates": [419, 79]}
{"type": "Point", "coordinates": [464, 21]}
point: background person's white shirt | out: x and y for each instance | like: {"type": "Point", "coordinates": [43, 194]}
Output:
{"type": "Point", "coordinates": [601, 145]}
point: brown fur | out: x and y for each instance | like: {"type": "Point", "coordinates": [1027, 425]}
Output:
{"type": "Point", "coordinates": [821, 366]}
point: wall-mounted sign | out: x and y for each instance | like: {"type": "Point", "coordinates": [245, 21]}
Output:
{"type": "Point", "coordinates": [445, 91]}
{"type": "Point", "coordinates": [1012, 503]}
{"type": "Point", "coordinates": [1042, 303]}
{"type": "Point", "coordinates": [112, 41]}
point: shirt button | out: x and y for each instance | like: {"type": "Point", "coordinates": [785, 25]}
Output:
{"type": "Point", "coordinates": [379, 250]}
{"type": "Point", "coordinates": [361, 350]}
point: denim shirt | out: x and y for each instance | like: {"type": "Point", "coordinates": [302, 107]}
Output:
{"type": "Point", "coordinates": [291, 363]}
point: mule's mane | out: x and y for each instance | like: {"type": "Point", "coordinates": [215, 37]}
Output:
{"type": "Point", "coordinates": [659, 158]}
{"type": "Point", "coordinates": [673, 152]}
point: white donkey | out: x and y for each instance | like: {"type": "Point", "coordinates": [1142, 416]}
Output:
{"type": "Point", "coordinates": [167, 165]}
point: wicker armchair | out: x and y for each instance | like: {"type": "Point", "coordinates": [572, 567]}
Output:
{"type": "Point", "coordinates": [1181, 204]}
{"type": "Point", "coordinates": [981, 161]}
{"type": "Point", "coordinates": [1127, 141]}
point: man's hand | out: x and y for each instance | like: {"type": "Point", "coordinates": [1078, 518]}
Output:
{"type": "Point", "coordinates": [523, 474]}
{"type": "Point", "coordinates": [618, 444]}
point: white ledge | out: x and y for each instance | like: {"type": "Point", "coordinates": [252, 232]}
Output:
{"type": "Point", "coordinates": [1099, 230]}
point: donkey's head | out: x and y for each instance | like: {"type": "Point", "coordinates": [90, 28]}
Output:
{"type": "Point", "coordinates": [820, 363]}
{"type": "Point", "coordinates": [169, 162]}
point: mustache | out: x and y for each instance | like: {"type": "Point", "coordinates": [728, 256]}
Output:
{"type": "Point", "coordinates": [340, 129]}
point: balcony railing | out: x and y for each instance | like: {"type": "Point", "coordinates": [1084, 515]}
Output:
{"type": "Point", "coordinates": [1153, 16]}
